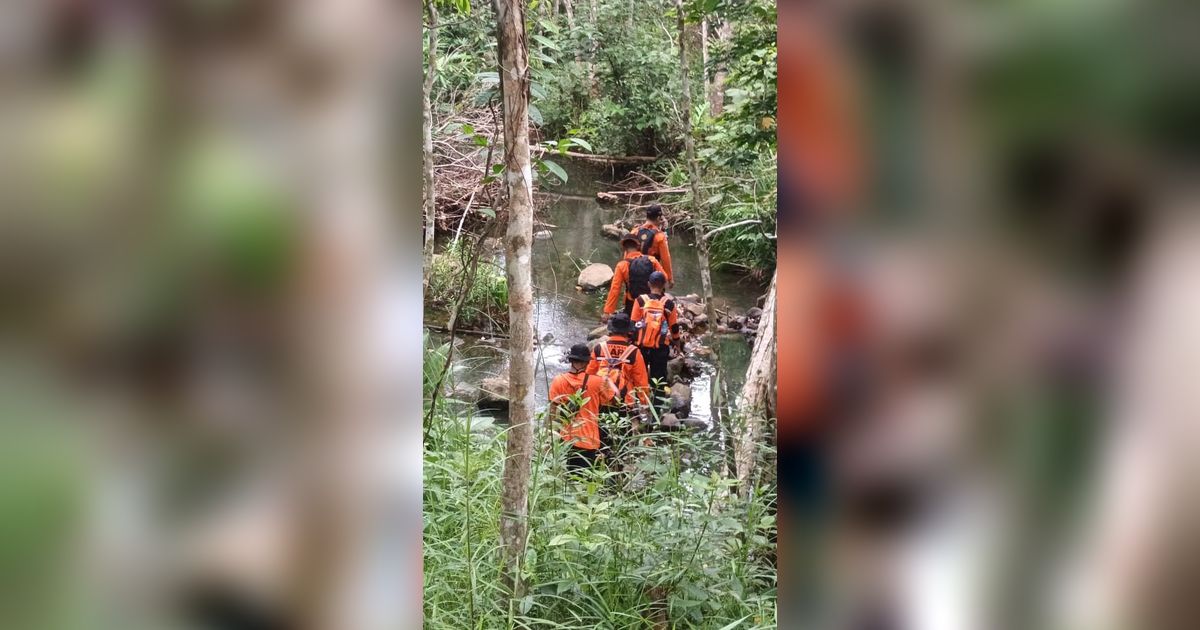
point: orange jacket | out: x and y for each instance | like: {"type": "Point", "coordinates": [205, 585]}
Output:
{"type": "Point", "coordinates": [584, 428]}
{"type": "Point", "coordinates": [670, 308]}
{"type": "Point", "coordinates": [634, 370]}
{"type": "Point", "coordinates": [658, 248]}
{"type": "Point", "coordinates": [621, 278]}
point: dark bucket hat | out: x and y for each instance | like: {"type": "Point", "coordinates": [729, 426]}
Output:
{"type": "Point", "coordinates": [620, 324]}
{"type": "Point", "coordinates": [579, 352]}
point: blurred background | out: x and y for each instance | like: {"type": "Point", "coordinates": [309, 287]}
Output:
{"type": "Point", "coordinates": [208, 348]}
{"type": "Point", "coordinates": [210, 233]}
{"type": "Point", "coordinates": [992, 219]}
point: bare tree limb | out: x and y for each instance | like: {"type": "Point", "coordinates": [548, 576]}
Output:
{"type": "Point", "coordinates": [731, 225]}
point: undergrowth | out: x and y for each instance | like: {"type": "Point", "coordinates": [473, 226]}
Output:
{"type": "Point", "coordinates": [605, 550]}
{"type": "Point", "coordinates": [487, 299]}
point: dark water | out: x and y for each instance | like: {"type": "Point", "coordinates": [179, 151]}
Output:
{"type": "Point", "coordinates": [567, 315]}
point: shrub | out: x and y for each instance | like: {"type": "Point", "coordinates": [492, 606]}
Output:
{"type": "Point", "coordinates": [487, 298]}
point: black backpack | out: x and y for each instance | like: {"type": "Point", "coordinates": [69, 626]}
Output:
{"type": "Point", "coordinates": [640, 269]}
{"type": "Point", "coordinates": [646, 238]}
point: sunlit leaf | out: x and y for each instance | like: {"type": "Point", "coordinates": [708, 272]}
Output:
{"type": "Point", "coordinates": [555, 169]}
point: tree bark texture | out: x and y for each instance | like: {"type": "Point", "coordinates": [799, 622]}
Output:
{"type": "Point", "coordinates": [704, 58]}
{"type": "Point", "coordinates": [427, 139]}
{"type": "Point", "coordinates": [756, 403]}
{"type": "Point", "coordinates": [689, 145]}
{"type": "Point", "coordinates": [716, 88]}
{"type": "Point", "coordinates": [345, 371]}
{"type": "Point", "coordinates": [518, 179]}
{"type": "Point", "coordinates": [593, 88]}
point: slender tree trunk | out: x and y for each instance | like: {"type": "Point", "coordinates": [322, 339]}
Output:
{"type": "Point", "coordinates": [427, 139]}
{"type": "Point", "coordinates": [756, 404]}
{"type": "Point", "coordinates": [689, 145]}
{"type": "Point", "coordinates": [716, 89]}
{"type": "Point", "coordinates": [569, 9]}
{"type": "Point", "coordinates": [704, 58]}
{"type": "Point", "coordinates": [518, 179]}
{"type": "Point", "coordinates": [593, 89]}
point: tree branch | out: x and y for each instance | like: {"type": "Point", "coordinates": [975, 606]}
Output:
{"type": "Point", "coordinates": [731, 225]}
{"type": "Point", "coordinates": [618, 159]}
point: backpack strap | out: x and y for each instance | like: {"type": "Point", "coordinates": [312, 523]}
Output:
{"type": "Point", "coordinates": [628, 351]}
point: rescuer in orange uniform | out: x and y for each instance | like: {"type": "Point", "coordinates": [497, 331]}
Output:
{"type": "Point", "coordinates": [656, 320]}
{"type": "Point", "coordinates": [575, 400]}
{"type": "Point", "coordinates": [619, 361]}
{"type": "Point", "coordinates": [632, 273]}
{"type": "Point", "coordinates": [652, 240]}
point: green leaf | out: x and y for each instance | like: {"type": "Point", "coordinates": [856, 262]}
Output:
{"type": "Point", "coordinates": [537, 90]}
{"type": "Point", "coordinates": [481, 140]}
{"type": "Point", "coordinates": [468, 130]}
{"type": "Point", "coordinates": [543, 40]}
{"type": "Point", "coordinates": [735, 624]}
{"type": "Point", "coordinates": [556, 169]}
{"type": "Point", "coordinates": [583, 143]}
{"type": "Point", "coordinates": [497, 168]}
{"type": "Point", "coordinates": [560, 539]}
{"type": "Point", "coordinates": [535, 114]}
{"type": "Point", "coordinates": [487, 212]}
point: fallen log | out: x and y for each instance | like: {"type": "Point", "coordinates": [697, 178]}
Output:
{"type": "Point", "coordinates": [460, 331]}
{"type": "Point", "coordinates": [646, 191]}
{"type": "Point", "coordinates": [614, 159]}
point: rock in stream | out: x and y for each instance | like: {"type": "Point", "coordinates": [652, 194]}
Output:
{"type": "Point", "coordinates": [594, 276]}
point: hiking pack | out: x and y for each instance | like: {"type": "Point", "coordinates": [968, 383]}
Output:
{"type": "Point", "coordinates": [640, 269]}
{"type": "Point", "coordinates": [611, 367]}
{"type": "Point", "coordinates": [653, 329]}
{"type": "Point", "coordinates": [646, 238]}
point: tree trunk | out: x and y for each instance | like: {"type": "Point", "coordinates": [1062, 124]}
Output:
{"type": "Point", "coordinates": [704, 58]}
{"type": "Point", "coordinates": [716, 89]}
{"type": "Point", "coordinates": [518, 178]}
{"type": "Point", "coordinates": [593, 89]}
{"type": "Point", "coordinates": [689, 145]}
{"type": "Point", "coordinates": [569, 9]}
{"type": "Point", "coordinates": [756, 404]}
{"type": "Point", "coordinates": [427, 140]}
{"type": "Point", "coordinates": [345, 372]}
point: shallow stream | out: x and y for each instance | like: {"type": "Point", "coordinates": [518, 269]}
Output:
{"type": "Point", "coordinates": [564, 315]}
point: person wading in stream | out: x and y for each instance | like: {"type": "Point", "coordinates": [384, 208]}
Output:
{"type": "Point", "coordinates": [632, 273]}
{"type": "Point", "coordinates": [619, 361]}
{"type": "Point", "coordinates": [656, 320]}
{"type": "Point", "coordinates": [575, 400]}
{"type": "Point", "coordinates": [652, 240]}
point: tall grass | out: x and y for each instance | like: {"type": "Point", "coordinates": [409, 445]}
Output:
{"type": "Point", "coordinates": [606, 549]}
